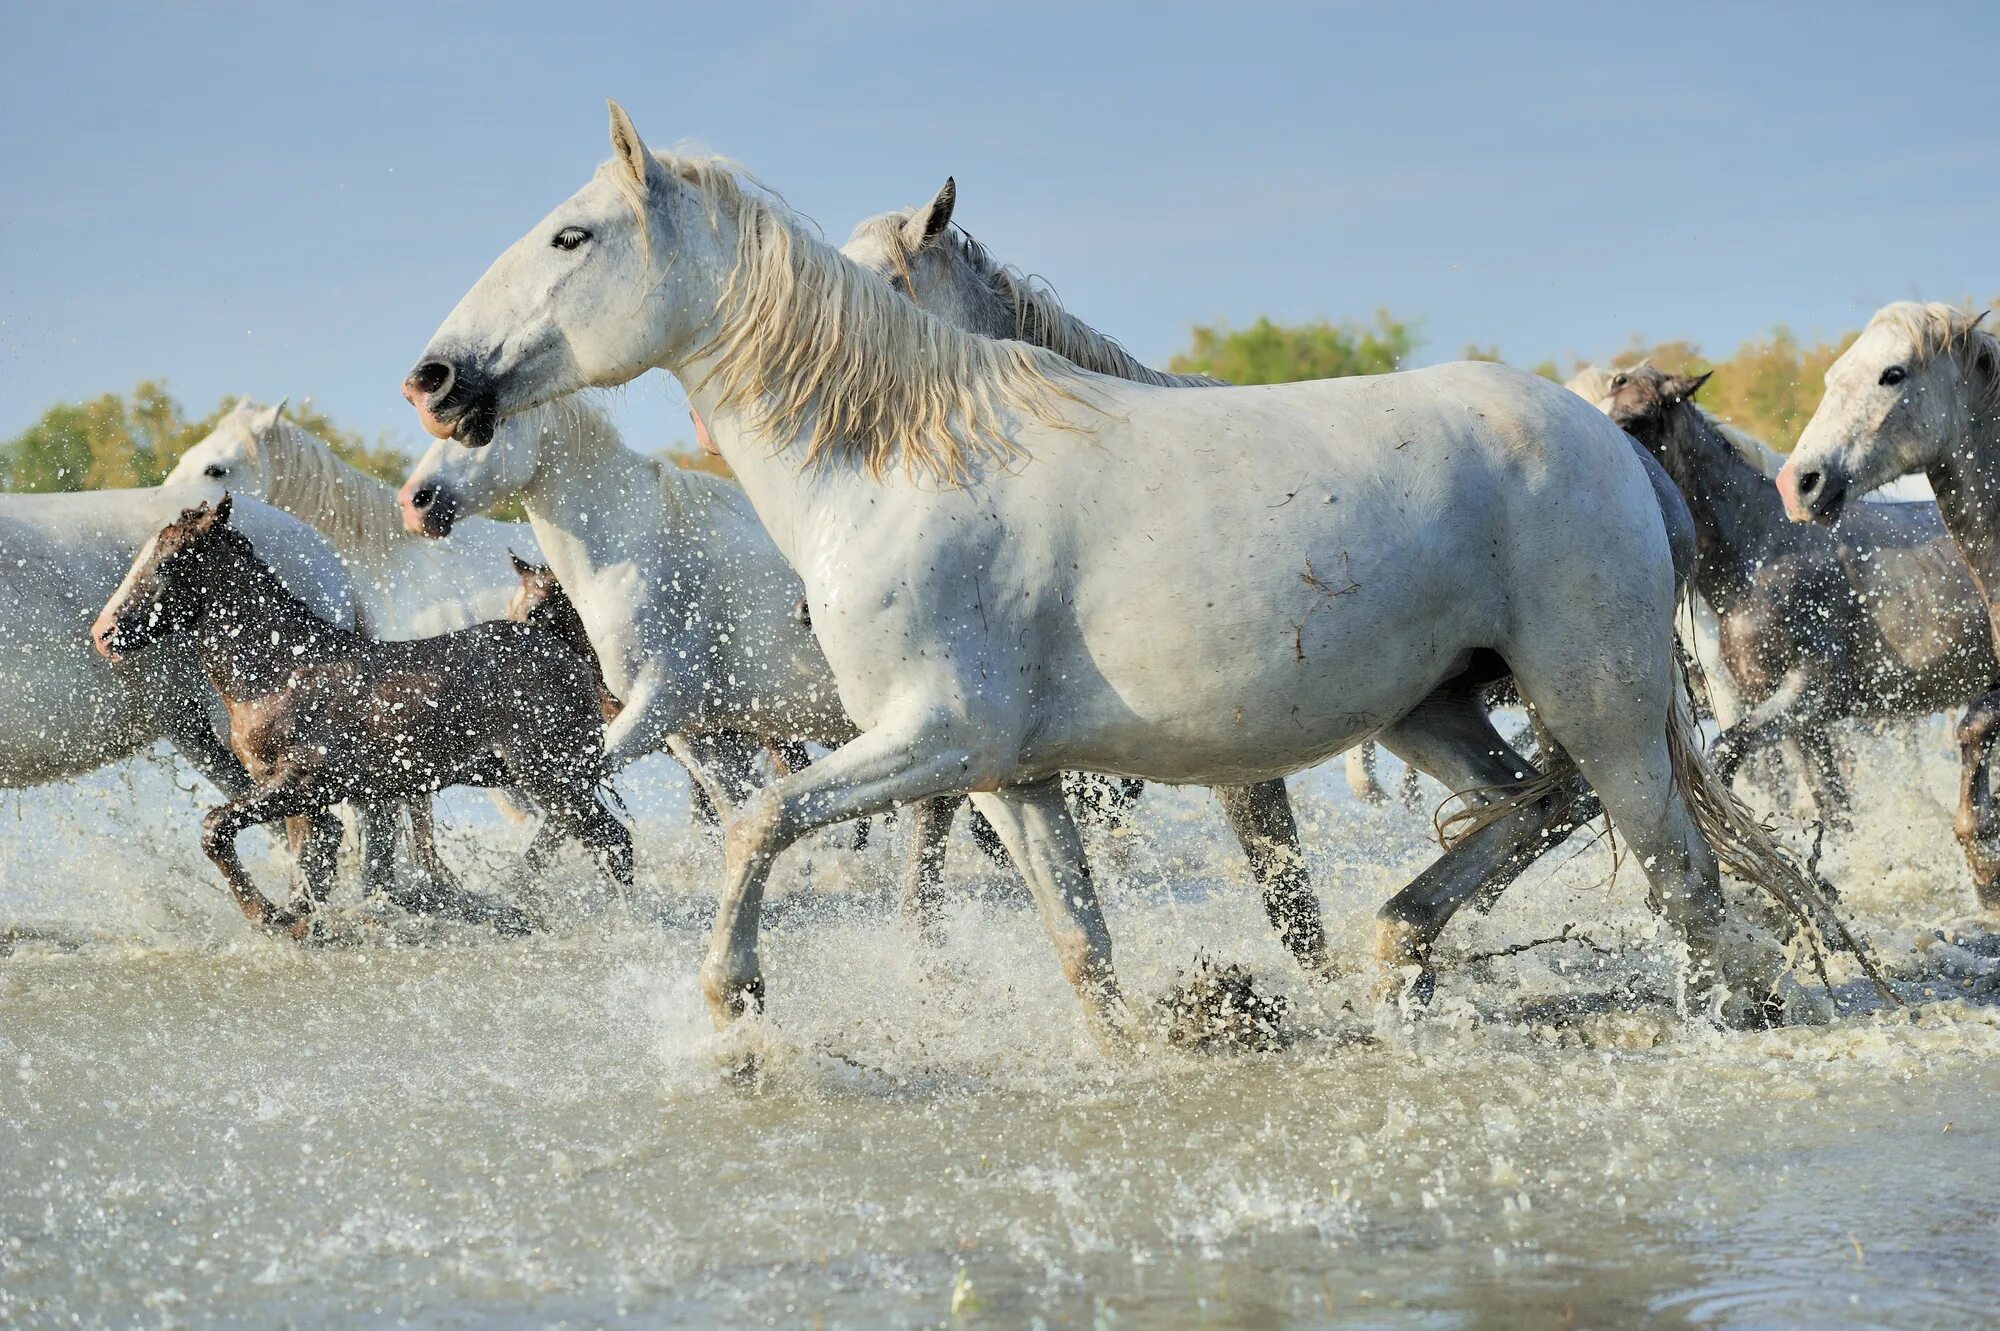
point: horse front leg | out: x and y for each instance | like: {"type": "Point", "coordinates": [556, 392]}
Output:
{"type": "Point", "coordinates": [865, 776]}
{"type": "Point", "coordinates": [1261, 817]}
{"type": "Point", "coordinates": [923, 877]}
{"type": "Point", "coordinates": [1034, 820]}
{"type": "Point", "coordinates": [1973, 824]}
{"type": "Point", "coordinates": [1776, 716]}
{"type": "Point", "coordinates": [221, 827]}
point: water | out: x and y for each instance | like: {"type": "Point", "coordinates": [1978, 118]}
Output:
{"type": "Point", "coordinates": [426, 1125]}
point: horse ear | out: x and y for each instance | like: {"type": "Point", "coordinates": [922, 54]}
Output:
{"type": "Point", "coordinates": [522, 568]}
{"type": "Point", "coordinates": [629, 148]}
{"type": "Point", "coordinates": [1683, 387]}
{"type": "Point", "coordinates": [269, 425]}
{"type": "Point", "coordinates": [928, 222]}
{"type": "Point", "coordinates": [219, 515]}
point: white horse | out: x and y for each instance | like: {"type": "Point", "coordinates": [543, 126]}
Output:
{"type": "Point", "coordinates": [1919, 391]}
{"type": "Point", "coordinates": [1016, 567]}
{"type": "Point", "coordinates": [410, 587]}
{"type": "Point", "coordinates": [64, 709]}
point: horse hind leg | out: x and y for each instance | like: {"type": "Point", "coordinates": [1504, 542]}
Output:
{"type": "Point", "coordinates": [1451, 736]}
{"type": "Point", "coordinates": [1613, 713]}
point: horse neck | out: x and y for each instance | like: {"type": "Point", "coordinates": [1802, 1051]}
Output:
{"type": "Point", "coordinates": [1039, 318]}
{"type": "Point", "coordinates": [577, 495]}
{"type": "Point", "coordinates": [251, 632]}
{"type": "Point", "coordinates": [1739, 519]}
{"type": "Point", "coordinates": [1970, 503]}
{"type": "Point", "coordinates": [353, 510]}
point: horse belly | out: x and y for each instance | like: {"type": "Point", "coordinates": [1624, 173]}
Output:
{"type": "Point", "coordinates": [1256, 677]}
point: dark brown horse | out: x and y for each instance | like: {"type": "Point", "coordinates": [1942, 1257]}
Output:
{"type": "Point", "coordinates": [320, 715]}
{"type": "Point", "coordinates": [1877, 617]}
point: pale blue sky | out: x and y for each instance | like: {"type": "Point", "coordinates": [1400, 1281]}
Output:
{"type": "Point", "coordinates": [281, 199]}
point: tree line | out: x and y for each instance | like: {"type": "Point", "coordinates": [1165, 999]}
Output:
{"type": "Point", "coordinates": [1768, 386]}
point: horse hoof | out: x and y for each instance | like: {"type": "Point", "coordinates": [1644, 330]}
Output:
{"type": "Point", "coordinates": [1402, 964]}
{"type": "Point", "coordinates": [732, 997]}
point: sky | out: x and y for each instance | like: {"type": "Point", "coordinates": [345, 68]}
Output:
{"type": "Point", "coordinates": [285, 200]}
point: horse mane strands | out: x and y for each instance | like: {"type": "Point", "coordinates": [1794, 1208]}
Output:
{"type": "Point", "coordinates": [1042, 319]}
{"type": "Point", "coordinates": [810, 345]}
{"type": "Point", "coordinates": [356, 511]}
{"type": "Point", "coordinates": [1939, 329]}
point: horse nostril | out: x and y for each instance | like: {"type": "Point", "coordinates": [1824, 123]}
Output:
{"type": "Point", "coordinates": [1809, 483]}
{"type": "Point", "coordinates": [423, 496]}
{"type": "Point", "coordinates": [432, 377]}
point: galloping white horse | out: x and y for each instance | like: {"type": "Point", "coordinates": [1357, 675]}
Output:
{"type": "Point", "coordinates": [64, 709]}
{"type": "Point", "coordinates": [410, 587]}
{"type": "Point", "coordinates": [1016, 567]}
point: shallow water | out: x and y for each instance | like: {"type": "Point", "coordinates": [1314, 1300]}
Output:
{"type": "Point", "coordinates": [434, 1126]}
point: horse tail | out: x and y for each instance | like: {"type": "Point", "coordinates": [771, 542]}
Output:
{"type": "Point", "coordinates": [1745, 847]}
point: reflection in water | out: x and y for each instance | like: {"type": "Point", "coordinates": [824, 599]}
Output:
{"type": "Point", "coordinates": [442, 1127]}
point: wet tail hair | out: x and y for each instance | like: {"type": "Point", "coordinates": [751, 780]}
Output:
{"type": "Point", "coordinates": [1745, 847]}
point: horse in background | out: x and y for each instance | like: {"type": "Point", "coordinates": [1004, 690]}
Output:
{"type": "Point", "coordinates": [1874, 619]}
{"type": "Point", "coordinates": [1016, 567]}
{"type": "Point", "coordinates": [410, 587]}
{"type": "Point", "coordinates": [1919, 391]}
{"type": "Point", "coordinates": [321, 714]}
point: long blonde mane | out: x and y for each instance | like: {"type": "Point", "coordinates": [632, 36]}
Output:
{"type": "Point", "coordinates": [353, 510]}
{"type": "Point", "coordinates": [1945, 330]}
{"type": "Point", "coordinates": [810, 345]}
{"type": "Point", "coordinates": [1039, 317]}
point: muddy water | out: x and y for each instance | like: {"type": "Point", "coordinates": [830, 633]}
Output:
{"type": "Point", "coordinates": [436, 1127]}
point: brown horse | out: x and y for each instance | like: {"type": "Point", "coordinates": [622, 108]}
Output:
{"type": "Point", "coordinates": [320, 715]}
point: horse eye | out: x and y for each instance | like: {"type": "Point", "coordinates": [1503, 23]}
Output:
{"type": "Point", "coordinates": [570, 237]}
{"type": "Point", "coordinates": [1620, 380]}
{"type": "Point", "coordinates": [215, 471]}
{"type": "Point", "coordinates": [1894, 375]}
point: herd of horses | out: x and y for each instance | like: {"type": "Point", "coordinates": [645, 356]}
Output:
{"type": "Point", "coordinates": [972, 545]}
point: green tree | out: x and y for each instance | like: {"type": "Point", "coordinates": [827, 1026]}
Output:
{"type": "Point", "coordinates": [1270, 353]}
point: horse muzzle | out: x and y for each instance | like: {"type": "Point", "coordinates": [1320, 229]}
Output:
{"type": "Point", "coordinates": [452, 401]}
{"type": "Point", "coordinates": [428, 509]}
{"type": "Point", "coordinates": [104, 636]}
{"type": "Point", "coordinates": [1812, 494]}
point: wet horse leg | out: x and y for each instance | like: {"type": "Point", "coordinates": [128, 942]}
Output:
{"type": "Point", "coordinates": [1973, 824]}
{"type": "Point", "coordinates": [1261, 817]}
{"type": "Point", "coordinates": [923, 877]}
{"type": "Point", "coordinates": [1451, 736]}
{"type": "Point", "coordinates": [1362, 780]}
{"type": "Point", "coordinates": [864, 776]}
{"type": "Point", "coordinates": [222, 825]}
{"type": "Point", "coordinates": [1034, 821]}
